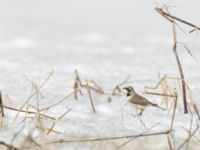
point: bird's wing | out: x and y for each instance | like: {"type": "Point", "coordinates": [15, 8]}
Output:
{"type": "Point", "coordinates": [140, 100]}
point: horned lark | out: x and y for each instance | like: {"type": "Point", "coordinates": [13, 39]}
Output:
{"type": "Point", "coordinates": [139, 101]}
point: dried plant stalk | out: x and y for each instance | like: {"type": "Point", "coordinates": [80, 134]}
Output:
{"type": "Point", "coordinates": [28, 112]}
{"type": "Point", "coordinates": [174, 110]}
{"type": "Point", "coordinates": [180, 69]}
{"type": "Point", "coordinates": [117, 88]}
{"type": "Point", "coordinates": [9, 147]}
{"type": "Point", "coordinates": [160, 94]}
{"type": "Point", "coordinates": [169, 142]}
{"type": "Point", "coordinates": [186, 141]}
{"type": "Point", "coordinates": [109, 138]}
{"type": "Point", "coordinates": [1, 105]}
{"type": "Point", "coordinates": [60, 101]}
{"type": "Point", "coordinates": [172, 19]}
{"type": "Point", "coordinates": [90, 97]}
{"type": "Point", "coordinates": [64, 114]}
{"type": "Point", "coordinates": [32, 95]}
{"type": "Point", "coordinates": [96, 87]}
{"type": "Point", "coordinates": [77, 84]}
{"type": "Point", "coordinates": [196, 110]}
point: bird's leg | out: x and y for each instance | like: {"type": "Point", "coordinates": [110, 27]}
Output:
{"type": "Point", "coordinates": [141, 121]}
{"type": "Point", "coordinates": [140, 114]}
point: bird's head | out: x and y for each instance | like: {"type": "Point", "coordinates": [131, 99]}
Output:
{"type": "Point", "coordinates": [130, 90]}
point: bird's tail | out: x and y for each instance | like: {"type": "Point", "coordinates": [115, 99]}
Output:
{"type": "Point", "coordinates": [155, 105]}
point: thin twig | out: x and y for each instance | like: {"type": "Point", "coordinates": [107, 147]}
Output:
{"type": "Point", "coordinates": [1, 105]}
{"type": "Point", "coordinates": [174, 111]}
{"type": "Point", "coordinates": [64, 114]}
{"type": "Point", "coordinates": [171, 18]}
{"type": "Point", "coordinates": [77, 84]}
{"type": "Point", "coordinates": [169, 142]}
{"type": "Point", "coordinates": [10, 147]}
{"type": "Point", "coordinates": [192, 134]}
{"type": "Point", "coordinates": [195, 108]}
{"type": "Point", "coordinates": [33, 94]}
{"type": "Point", "coordinates": [90, 97]}
{"type": "Point", "coordinates": [60, 101]}
{"type": "Point", "coordinates": [29, 112]}
{"type": "Point", "coordinates": [50, 129]}
{"type": "Point", "coordinates": [160, 94]}
{"type": "Point", "coordinates": [189, 133]}
{"type": "Point", "coordinates": [108, 138]}
{"type": "Point", "coordinates": [131, 139]}
{"type": "Point", "coordinates": [117, 87]}
{"type": "Point", "coordinates": [180, 69]}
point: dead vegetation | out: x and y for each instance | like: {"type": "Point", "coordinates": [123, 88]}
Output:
{"type": "Point", "coordinates": [167, 88]}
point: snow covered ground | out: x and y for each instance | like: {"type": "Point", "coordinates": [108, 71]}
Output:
{"type": "Point", "coordinates": [105, 42]}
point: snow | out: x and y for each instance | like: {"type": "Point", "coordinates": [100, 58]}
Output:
{"type": "Point", "coordinates": [105, 54]}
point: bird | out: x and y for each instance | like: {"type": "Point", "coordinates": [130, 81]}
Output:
{"type": "Point", "coordinates": [138, 100]}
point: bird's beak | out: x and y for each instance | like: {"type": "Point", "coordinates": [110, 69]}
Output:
{"type": "Point", "coordinates": [127, 89]}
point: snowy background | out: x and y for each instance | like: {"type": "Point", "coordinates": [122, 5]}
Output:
{"type": "Point", "coordinates": [105, 41]}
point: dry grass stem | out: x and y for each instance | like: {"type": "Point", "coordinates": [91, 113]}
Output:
{"type": "Point", "coordinates": [99, 89]}
{"type": "Point", "coordinates": [28, 112]}
{"type": "Point", "coordinates": [186, 141]}
{"type": "Point", "coordinates": [196, 110]}
{"type": "Point", "coordinates": [189, 133]}
{"type": "Point", "coordinates": [160, 94]}
{"type": "Point", "coordinates": [174, 110]}
{"type": "Point", "coordinates": [180, 68]}
{"type": "Point", "coordinates": [8, 146]}
{"type": "Point", "coordinates": [131, 139]}
{"type": "Point", "coordinates": [77, 84]}
{"type": "Point", "coordinates": [1, 105]}
{"type": "Point", "coordinates": [33, 94]}
{"type": "Point", "coordinates": [90, 97]}
{"type": "Point", "coordinates": [172, 18]}
{"type": "Point", "coordinates": [96, 87]}
{"type": "Point", "coordinates": [169, 142]}
{"type": "Point", "coordinates": [64, 114]}
{"type": "Point", "coordinates": [117, 88]}
{"type": "Point", "coordinates": [108, 138]}
{"type": "Point", "coordinates": [60, 101]}
{"type": "Point", "coordinates": [190, 52]}
{"type": "Point", "coordinates": [50, 130]}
